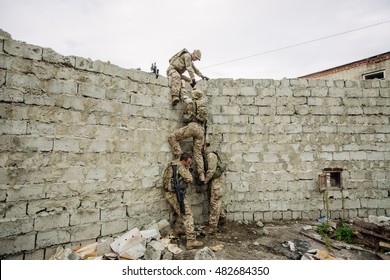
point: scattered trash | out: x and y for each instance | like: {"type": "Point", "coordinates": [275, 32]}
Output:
{"type": "Point", "coordinates": [86, 251]}
{"type": "Point", "coordinates": [174, 249]}
{"type": "Point", "coordinates": [321, 219]}
{"type": "Point", "coordinates": [259, 224]}
{"type": "Point", "coordinates": [165, 242]}
{"type": "Point", "coordinates": [318, 254]}
{"type": "Point", "coordinates": [289, 244]}
{"type": "Point", "coordinates": [307, 227]}
{"type": "Point", "coordinates": [205, 254]}
{"type": "Point", "coordinates": [216, 248]}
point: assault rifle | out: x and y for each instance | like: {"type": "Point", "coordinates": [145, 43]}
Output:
{"type": "Point", "coordinates": [180, 189]}
{"type": "Point", "coordinates": [154, 69]}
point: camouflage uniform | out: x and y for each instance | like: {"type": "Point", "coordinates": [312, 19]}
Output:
{"type": "Point", "coordinates": [176, 69]}
{"type": "Point", "coordinates": [186, 221]}
{"type": "Point", "coordinates": [194, 129]}
{"type": "Point", "coordinates": [216, 190]}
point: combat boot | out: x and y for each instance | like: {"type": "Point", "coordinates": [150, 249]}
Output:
{"type": "Point", "coordinates": [177, 232]}
{"type": "Point", "coordinates": [193, 243]}
{"type": "Point", "coordinates": [175, 100]}
{"type": "Point", "coordinates": [209, 230]}
{"type": "Point", "coordinates": [222, 221]}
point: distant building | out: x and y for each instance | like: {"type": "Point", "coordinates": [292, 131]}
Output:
{"type": "Point", "coordinates": [375, 67]}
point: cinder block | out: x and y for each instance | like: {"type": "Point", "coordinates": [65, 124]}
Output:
{"type": "Point", "coordinates": [11, 227]}
{"type": "Point", "coordinates": [50, 238]}
{"type": "Point", "coordinates": [13, 127]}
{"type": "Point", "coordinates": [21, 49]}
{"type": "Point", "coordinates": [16, 244]}
{"type": "Point", "coordinates": [23, 81]}
{"type": "Point", "coordinates": [61, 87]}
{"type": "Point", "coordinates": [35, 255]}
{"type": "Point", "coordinates": [51, 56]}
{"type": "Point", "coordinates": [113, 214]}
{"type": "Point", "coordinates": [93, 91]}
{"type": "Point", "coordinates": [114, 227]}
{"type": "Point", "coordinates": [44, 222]}
{"type": "Point", "coordinates": [85, 216]}
{"type": "Point", "coordinates": [85, 232]}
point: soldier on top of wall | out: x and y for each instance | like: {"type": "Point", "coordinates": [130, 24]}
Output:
{"type": "Point", "coordinates": [196, 117]}
{"type": "Point", "coordinates": [178, 64]}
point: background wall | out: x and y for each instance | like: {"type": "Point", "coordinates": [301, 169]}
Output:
{"type": "Point", "coordinates": [357, 70]}
{"type": "Point", "coordinates": [84, 143]}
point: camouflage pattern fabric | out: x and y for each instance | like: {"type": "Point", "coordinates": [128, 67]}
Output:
{"type": "Point", "coordinates": [216, 191]}
{"type": "Point", "coordinates": [196, 131]}
{"type": "Point", "coordinates": [185, 221]}
{"type": "Point", "coordinates": [182, 172]}
{"type": "Point", "coordinates": [175, 82]}
{"type": "Point", "coordinates": [176, 70]}
{"type": "Point", "coordinates": [216, 208]}
{"type": "Point", "coordinates": [184, 63]}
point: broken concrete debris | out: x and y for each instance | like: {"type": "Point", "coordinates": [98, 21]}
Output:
{"type": "Point", "coordinates": [153, 243]}
{"type": "Point", "coordinates": [318, 254]}
{"type": "Point", "coordinates": [300, 241]}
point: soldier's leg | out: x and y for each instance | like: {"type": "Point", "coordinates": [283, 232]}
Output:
{"type": "Point", "coordinates": [181, 134]}
{"type": "Point", "coordinates": [185, 96]}
{"type": "Point", "coordinates": [198, 146]}
{"type": "Point", "coordinates": [174, 139]}
{"type": "Point", "coordinates": [222, 214]}
{"type": "Point", "coordinates": [215, 201]}
{"type": "Point", "coordinates": [175, 86]}
{"type": "Point", "coordinates": [172, 200]}
{"type": "Point", "coordinates": [188, 221]}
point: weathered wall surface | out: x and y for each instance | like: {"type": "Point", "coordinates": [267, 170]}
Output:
{"type": "Point", "coordinates": [280, 135]}
{"type": "Point", "coordinates": [83, 144]}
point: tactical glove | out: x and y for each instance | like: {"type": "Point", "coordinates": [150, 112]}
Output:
{"type": "Point", "coordinates": [193, 83]}
{"type": "Point", "coordinates": [205, 78]}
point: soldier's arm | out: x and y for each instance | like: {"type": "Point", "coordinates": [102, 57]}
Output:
{"type": "Point", "coordinates": [185, 174]}
{"type": "Point", "coordinates": [189, 65]}
{"type": "Point", "coordinates": [212, 161]}
{"type": "Point", "coordinates": [197, 72]}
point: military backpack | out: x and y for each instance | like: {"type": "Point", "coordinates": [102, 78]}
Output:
{"type": "Point", "coordinates": [173, 58]}
{"type": "Point", "coordinates": [199, 113]}
{"type": "Point", "coordinates": [221, 167]}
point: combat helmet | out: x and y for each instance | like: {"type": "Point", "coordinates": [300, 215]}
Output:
{"type": "Point", "coordinates": [198, 54]}
{"type": "Point", "coordinates": [197, 94]}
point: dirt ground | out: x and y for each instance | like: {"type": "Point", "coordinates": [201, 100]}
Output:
{"type": "Point", "coordinates": [241, 241]}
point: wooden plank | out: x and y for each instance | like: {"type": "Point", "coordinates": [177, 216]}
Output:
{"type": "Point", "coordinates": [383, 256]}
{"type": "Point", "coordinates": [384, 245]}
{"type": "Point", "coordinates": [371, 232]}
{"type": "Point", "coordinates": [320, 240]}
{"type": "Point", "coordinates": [383, 230]}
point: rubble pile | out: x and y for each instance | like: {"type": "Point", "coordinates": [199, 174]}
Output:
{"type": "Point", "coordinates": [152, 243]}
{"type": "Point", "coordinates": [374, 232]}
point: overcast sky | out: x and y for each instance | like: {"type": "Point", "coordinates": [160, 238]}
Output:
{"type": "Point", "coordinates": [238, 38]}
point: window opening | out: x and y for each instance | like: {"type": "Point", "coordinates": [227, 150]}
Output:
{"type": "Point", "coordinates": [375, 75]}
{"type": "Point", "coordinates": [329, 179]}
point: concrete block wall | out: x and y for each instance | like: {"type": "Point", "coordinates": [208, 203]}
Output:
{"type": "Point", "coordinates": [278, 136]}
{"type": "Point", "coordinates": [83, 145]}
